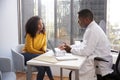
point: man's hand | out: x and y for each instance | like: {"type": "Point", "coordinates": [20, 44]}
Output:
{"type": "Point", "coordinates": [65, 47]}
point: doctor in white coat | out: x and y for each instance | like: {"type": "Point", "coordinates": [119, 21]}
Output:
{"type": "Point", "coordinates": [95, 44]}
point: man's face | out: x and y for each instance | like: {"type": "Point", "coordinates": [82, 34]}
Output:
{"type": "Point", "coordinates": [82, 22]}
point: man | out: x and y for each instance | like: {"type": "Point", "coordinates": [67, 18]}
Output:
{"type": "Point", "coordinates": [95, 44]}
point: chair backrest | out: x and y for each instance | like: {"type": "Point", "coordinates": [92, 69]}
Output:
{"type": "Point", "coordinates": [19, 47]}
{"type": "Point", "coordinates": [18, 58]}
{"type": "Point", "coordinates": [5, 64]}
{"type": "Point", "coordinates": [117, 65]}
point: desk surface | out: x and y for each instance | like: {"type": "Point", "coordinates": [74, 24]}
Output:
{"type": "Point", "coordinates": [71, 64]}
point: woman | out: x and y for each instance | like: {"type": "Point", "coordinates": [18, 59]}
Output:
{"type": "Point", "coordinates": [35, 44]}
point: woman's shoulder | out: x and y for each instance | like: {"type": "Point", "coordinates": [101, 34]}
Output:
{"type": "Point", "coordinates": [28, 36]}
{"type": "Point", "coordinates": [45, 33]}
{"type": "Point", "coordinates": [42, 33]}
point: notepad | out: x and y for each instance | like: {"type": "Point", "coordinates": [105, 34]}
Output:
{"type": "Point", "coordinates": [66, 57]}
{"type": "Point", "coordinates": [50, 59]}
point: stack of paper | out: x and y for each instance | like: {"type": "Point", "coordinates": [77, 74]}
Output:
{"type": "Point", "coordinates": [66, 57]}
{"type": "Point", "coordinates": [50, 59]}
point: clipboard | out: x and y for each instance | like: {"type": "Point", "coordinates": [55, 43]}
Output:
{"type": "Point", "coordinates": [44, 58]}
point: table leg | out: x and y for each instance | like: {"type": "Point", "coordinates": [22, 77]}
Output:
{"type": "Point", "coordinates": [76, 74]}
{"type": "Point", "coordinates": [29, 72]}
{"type": "Point", "coordinates": [61, 73]}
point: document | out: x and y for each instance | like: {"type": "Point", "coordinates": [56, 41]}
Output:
{"type": "Point", "coordinates": [44, 58]}
{"type": "Point", "coordinates": [66, 57]}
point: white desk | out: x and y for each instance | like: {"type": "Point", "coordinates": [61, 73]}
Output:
{"type": "Point", "coordinates": [70, 64]}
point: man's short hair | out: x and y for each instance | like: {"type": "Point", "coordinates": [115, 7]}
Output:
{"type": "Point", "coordinates": [85, 13]}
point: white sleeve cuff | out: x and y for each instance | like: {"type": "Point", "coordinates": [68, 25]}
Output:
{"type": "Point", "coordinates": [72, 50]}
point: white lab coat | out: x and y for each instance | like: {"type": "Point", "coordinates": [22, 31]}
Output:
{"type": "Point", "coordinates": [95, 43]}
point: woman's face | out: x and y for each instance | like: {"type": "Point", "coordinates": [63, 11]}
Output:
{"type": "Point", "coordinates": [40, 25]}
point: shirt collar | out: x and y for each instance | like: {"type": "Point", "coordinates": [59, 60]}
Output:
{"type": "Point", "coordinates": [91, 24]}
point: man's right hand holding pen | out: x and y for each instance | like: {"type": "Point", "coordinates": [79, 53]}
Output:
{"type": "Point", "coordinates": [65, 47]}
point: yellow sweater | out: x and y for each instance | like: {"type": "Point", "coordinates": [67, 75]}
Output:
{"type": "Point", "coordinates": [35, 45]}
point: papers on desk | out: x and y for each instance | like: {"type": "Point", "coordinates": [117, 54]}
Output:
{"type": "Point", "coordinates": [53, 59]}
{"type": "Point", "coordinates": [67, 56]}
{"type": "Point", "coordinates": [50, 59]}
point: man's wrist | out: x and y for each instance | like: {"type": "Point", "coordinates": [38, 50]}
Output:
{"type": "Point", "coordinates": [71, 50]}
{"type": "Point", "coordinates": [68, 49]}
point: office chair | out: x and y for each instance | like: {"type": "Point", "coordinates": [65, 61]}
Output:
{"type": "Point", "coordinates": [116, 69]}
{"type": "Point", "coordinates": [18, 59]}
{"type": "Point", "coordinates": [6, 72]}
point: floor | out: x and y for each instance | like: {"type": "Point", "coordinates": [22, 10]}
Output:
{"type": "Point", "coordinates": [22, 76]}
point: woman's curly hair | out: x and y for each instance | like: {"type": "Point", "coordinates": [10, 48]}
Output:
{"type": "Point", "coordinates": [31, 26]}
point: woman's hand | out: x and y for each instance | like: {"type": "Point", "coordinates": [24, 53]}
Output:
{"type": "Point", "coordinates": [61, 47]}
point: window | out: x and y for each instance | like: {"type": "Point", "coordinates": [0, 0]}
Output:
{"type": "Point", "coordinates": [60, 17]}
{"type": "Point", "coordinates": [113, 23]}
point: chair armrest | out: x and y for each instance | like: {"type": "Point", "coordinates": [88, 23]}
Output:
{"type": "Point", "coordinates": [117, 66]}
{"type": "Point", "coordinates": [5, 64]}
{"type": "Point", "coordinates": [70, 75]}
{"type": "Point", "coordinates": [18, 60]}
{"type": "Point", "coordinates": [0, 75]}
{"type": "Point", "coordinates": [100, 59]}
{"type": "Point", "coordinates": [116, 51]}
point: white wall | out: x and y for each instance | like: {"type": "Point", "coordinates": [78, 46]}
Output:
{"type": "Point", "coordinates": [8, 26]}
